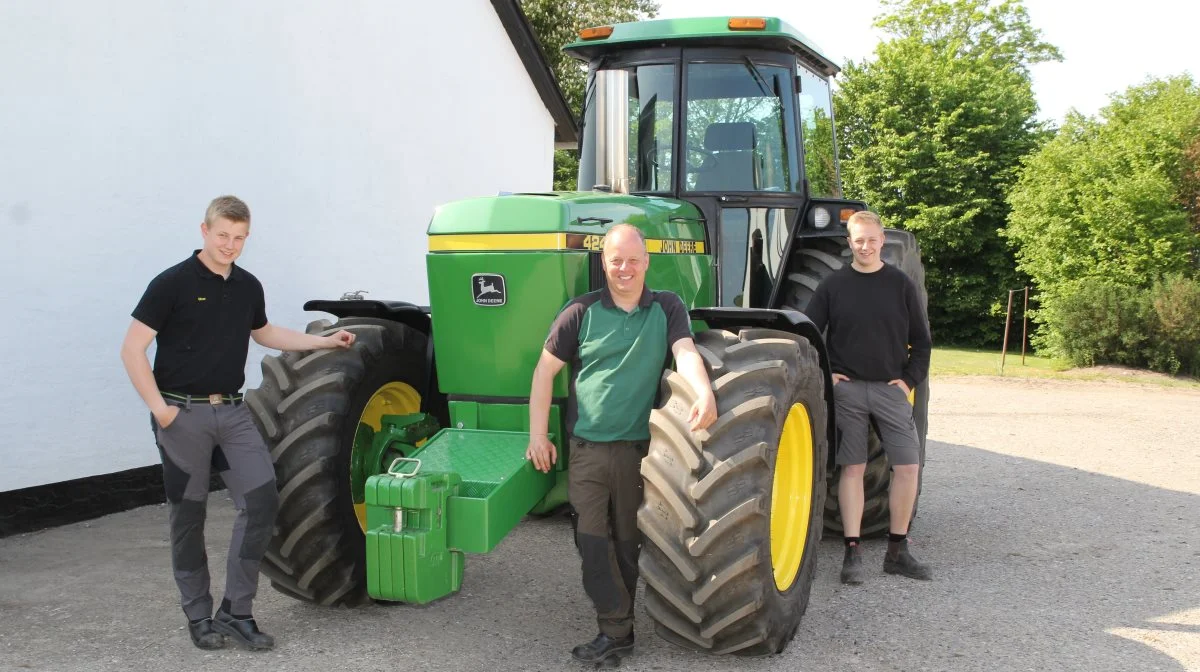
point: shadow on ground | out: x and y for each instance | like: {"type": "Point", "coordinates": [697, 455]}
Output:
{"type": "Point", "coordinates": [1039, 567]}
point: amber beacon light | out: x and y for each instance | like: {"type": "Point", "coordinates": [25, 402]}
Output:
{"type": "Point", "coordinates": [747, 23]}
{"type": "Point", "coordinates": [597, 33]}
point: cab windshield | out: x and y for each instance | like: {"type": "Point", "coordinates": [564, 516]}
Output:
{"type": "Point", "coordinates": [736, 133]}
{"type": "Point", "coordinates": [737, 138]}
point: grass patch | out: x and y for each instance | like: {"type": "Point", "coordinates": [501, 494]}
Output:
{"type": "Point", "coordinates": [973, 362]}
{"type": "Point", "coordinates": [969, 362]}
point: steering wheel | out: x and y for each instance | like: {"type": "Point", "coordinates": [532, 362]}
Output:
{"type": "Point", "coordinates": [650, 157]}
{"type": "Point", "coordinates": [705, 159]}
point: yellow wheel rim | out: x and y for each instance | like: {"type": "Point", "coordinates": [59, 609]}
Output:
{"type": "Point", "coordinates": [391, 399]}
{"type": "Point", "coordinates": [791, 497]}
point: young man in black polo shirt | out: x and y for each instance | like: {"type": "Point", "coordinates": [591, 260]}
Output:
{"type": "Point", "coordinates": [203, 312]}
{"type": "Point", "coordinates": [879, 346]}
{"type": "Point", "coordinates": [617, 340]}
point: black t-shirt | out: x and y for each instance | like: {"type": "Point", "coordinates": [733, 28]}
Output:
{"type": "Point", "coordinates": [203, 322]}
{"type": "Point", "coordinates": [873, 319]}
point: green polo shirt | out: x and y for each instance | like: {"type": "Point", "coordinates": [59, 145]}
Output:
{"type": "Point", "coordinates": [616, 360]}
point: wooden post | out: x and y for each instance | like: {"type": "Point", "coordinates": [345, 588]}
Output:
{"type": "Point", "coordinates": [1024, 325]}
{"type": "Point", "coordinates": [1007, 319]}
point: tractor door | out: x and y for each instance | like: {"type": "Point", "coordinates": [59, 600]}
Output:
{"type": "Point", "coordinates": [752, 242]}
{"type": "Point", "coordinates": [742, 146]}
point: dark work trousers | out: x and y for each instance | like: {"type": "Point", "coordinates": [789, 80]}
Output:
{"type": "Point", "coordinates": [201, 438]}
{"type": "Point", "coordinates": [606, 490]}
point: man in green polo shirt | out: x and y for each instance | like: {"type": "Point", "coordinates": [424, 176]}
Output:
{"type": "Point", "coordinates": [617, 340]}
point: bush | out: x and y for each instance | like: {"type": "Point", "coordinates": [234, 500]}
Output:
{"type": "Point", "coordinates": [1095, 322]}
{"type": "Point", "coordinates": [1176, 348]}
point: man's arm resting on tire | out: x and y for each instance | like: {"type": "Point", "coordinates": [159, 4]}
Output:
{"type": "Point", "coordinates": [541, 449]}
{"type": "Point", "coordinates": [133, 354]}
{"type": "Point", "coordinates": [690, 365]}
{"type": "Point", "coordinates": [282, 338]}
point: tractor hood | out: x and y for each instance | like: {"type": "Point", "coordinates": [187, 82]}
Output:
{"type": "Point", "coordinates": [501, 268]}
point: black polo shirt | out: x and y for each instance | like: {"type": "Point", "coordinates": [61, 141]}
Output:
{"type": "Point", "coordinates": [203, 322]}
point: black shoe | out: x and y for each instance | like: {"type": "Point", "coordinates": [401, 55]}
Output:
{"type": "Point", "coordinates": [852, 566]}
{"type": "Point", "coordinates": [244, 631]}
{"type": "Point", "coordinates": [603, 647]}
{"type": "Point", "coordinates": [203, 635]}
{"type": "Point", "coordinates": [903, 563]}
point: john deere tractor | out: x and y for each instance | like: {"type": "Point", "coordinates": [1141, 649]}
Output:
{"type": "Point", "coordinates": [399, 455]}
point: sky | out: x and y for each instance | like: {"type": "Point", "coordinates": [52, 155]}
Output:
{"type": "Point", "coordinates": [1106, 46]}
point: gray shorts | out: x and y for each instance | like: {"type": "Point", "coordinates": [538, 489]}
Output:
{"type": "Point", "coordinates": [860, 402]}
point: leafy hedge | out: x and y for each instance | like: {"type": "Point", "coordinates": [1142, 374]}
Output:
{"type": "Point", "coordinates": [1099, 322]}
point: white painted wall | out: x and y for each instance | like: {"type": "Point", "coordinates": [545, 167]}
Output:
{"type": "Point", "coordinates": [342, 124]}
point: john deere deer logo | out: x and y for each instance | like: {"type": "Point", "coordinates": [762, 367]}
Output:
{"type": "Point", "coordinates": [488, 289]}
{"type": "Point", "coordinates": [485, 288]}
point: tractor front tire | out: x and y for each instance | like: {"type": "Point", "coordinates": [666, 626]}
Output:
{"type": "Point", "coordinates": [308, 410]}
{"type": "Point", "coordinates": [732, 516]}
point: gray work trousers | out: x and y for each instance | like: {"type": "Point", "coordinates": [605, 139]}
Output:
{"type": "Point", "coordinates": [858, 403]}
{"type": "Point", "coordinates": [204, 437]}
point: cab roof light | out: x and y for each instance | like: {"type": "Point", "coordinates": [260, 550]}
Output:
{"type": "Point", "coordinates": [596, 33]}
{"type": "Point", "coordinates": [747, 23]}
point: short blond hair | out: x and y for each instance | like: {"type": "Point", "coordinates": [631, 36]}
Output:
{"type": "Point", "coordinates": [864, 217]}
{"type": "Point", "coordinates": [228, 207]}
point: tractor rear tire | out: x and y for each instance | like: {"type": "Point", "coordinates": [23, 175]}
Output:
{"type": "Point", "coordinates": [708, 518]}
{"type": "Point", "coordinates": [308, 410]}
{"type": "Point", "coordinates": [818, 259]}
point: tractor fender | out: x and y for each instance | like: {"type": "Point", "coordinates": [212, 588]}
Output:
{"type": "Point", "coordinates": [783, 320]}
{"type": "Point", "coordinates": [405, 313]}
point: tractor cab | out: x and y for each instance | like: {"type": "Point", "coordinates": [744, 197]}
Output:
{"type": "Point", "coordinates": [733, 115]}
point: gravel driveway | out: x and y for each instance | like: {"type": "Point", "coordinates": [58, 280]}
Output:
{"type": "Point", "coordinates": [1062, 518]}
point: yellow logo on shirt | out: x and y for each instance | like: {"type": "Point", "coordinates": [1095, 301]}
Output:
{"type": "Point", "coordinates": [201, 298]}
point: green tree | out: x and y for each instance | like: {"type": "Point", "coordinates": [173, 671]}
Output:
{"type": "Point", "coordinates": [556, 24]}
{"type": "Point", "coordinates": [932, 133]}
{"type": "Point", "coordinates": [1112, 198]}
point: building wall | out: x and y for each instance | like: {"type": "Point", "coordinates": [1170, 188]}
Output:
{"type": "Point", "coordinates": [343, 125]}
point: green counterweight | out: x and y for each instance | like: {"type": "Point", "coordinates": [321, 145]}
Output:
{"type": "Point", "coordinates": [462, 492]}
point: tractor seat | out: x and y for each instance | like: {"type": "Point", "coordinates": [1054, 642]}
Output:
{"type": "Point", "coordinates": [731, 166]}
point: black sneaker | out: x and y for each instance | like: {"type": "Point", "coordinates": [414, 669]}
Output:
{"type": "Point", "coordinates": [203, 635]}
{"type": "Point", "coordinates": [244, 631]}
{"type": "Point", "coordinates": [903, 563]}
{"type": "Point", "coordinates": [852, 566]}
{"type": "Point", "coordinates": [602, 648]}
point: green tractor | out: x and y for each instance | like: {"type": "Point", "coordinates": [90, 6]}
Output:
{"type": "Point", "coordinates": [397, 456]}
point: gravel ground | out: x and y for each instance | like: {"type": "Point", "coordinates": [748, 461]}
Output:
{"type": "Point", "coordinates": [1062, 518]}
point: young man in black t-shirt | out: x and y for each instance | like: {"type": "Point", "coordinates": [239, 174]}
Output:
{"type": "Point", "coordinates": [879, 346]}
{"type": "Point", "coordinates": [203, 312]}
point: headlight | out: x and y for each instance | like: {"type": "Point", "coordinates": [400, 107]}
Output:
{"type": "Point", "coordinates": [820, 217]}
